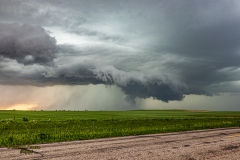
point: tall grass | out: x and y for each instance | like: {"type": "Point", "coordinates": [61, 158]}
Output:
{"type": "Point", "coordinates": [21, 132]}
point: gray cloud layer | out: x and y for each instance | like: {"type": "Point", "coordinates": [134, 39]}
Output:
{"type": "Point", "coordinates": [161, 49]}
{"type": "Point", "coordinates": [26, 44]}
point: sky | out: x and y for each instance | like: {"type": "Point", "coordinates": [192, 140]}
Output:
{"type": "Point", "coordinates": [120, 55]}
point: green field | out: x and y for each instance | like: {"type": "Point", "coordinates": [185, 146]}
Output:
{"type": "Point", "coordinates": [33, 127]}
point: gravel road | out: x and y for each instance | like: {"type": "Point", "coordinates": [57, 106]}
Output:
{"type": "Point", "coordinates": [211, 144]}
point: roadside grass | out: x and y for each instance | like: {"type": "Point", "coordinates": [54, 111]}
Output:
{"type": "Point", "coordinates": [35, 127]}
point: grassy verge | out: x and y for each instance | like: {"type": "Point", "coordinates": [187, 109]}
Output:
{"type": "Point", "coordinates": [26, 131]}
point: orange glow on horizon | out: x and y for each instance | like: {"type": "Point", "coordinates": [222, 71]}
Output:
{"type": "Point", "coordinates": [24, 106]}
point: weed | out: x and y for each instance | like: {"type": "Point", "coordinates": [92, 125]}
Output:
{"type": "Point", "coordinates": [10, 139]}
{"type": "Point", "coordinates": [26, 151]}
{"type": "Point", "coordinates": [43, 136]}
{"type": "Point", "coordinates": [25, 119]}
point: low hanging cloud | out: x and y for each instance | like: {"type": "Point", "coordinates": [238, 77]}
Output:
{"type": "Point", "coordinates": [133, 84]}
{"type": "Point", "coordinates": [27, 44]}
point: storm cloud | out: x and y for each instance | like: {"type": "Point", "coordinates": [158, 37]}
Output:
{"type": "Point", "coordinates": [26, 44]}
{"type": "Point", "coordinates": [133, 84]}
{"type": "Point", "coordinates": [163, 50]}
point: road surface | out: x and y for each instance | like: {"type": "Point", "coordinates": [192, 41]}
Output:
{"type": "Point", "coordinates": [192, 145]}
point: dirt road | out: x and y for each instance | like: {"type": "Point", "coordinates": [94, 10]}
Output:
{"type": "Point", "coordinates": [203, 144]}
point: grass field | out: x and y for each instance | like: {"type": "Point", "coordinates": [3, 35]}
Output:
{"type": "Point", "coordinates": [33, 127]}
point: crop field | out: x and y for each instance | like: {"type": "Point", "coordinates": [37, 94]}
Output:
{"type": "Point", "coordinates": [34, 127]}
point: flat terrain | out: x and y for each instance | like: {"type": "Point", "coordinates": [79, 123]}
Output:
{"type": "Point", "coordinates": [106, 115]}
{"type": "Point", "coordinates": [211, 144]}
{"type": "Point", "coordinates": [39, 127]}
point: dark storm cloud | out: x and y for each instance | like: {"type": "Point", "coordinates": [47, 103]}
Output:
{"type": "Point", "coordinates": [26, 44]}
{"type": "Point", "coordinates": [211, 49]}
{"type": "Point", "coordinates": [206, 35]}
{"type": "Point", "coordinates": [133, 84]}
{"type": "Point", "coordinates": [162, 49]}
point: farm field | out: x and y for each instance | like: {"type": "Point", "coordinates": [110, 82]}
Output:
{"type": "Point", "coordinates": [34, 127]}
